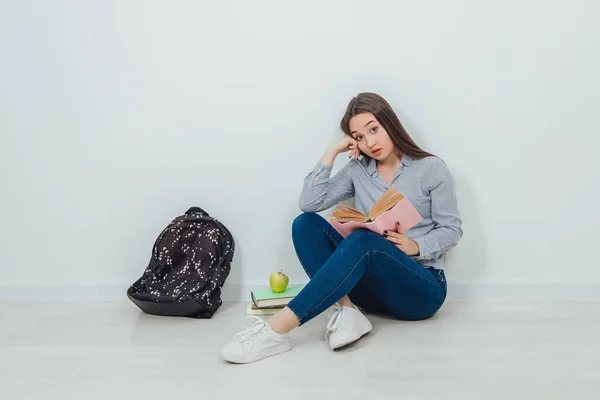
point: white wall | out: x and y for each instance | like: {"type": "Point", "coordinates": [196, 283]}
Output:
{"type": "Point", "coordinates": [118, 115]}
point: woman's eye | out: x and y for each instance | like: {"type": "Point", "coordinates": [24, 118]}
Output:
{"type": "Point", "coordinates": [374, 129]}
{"type": "Point", "coordinates": [358, 138]}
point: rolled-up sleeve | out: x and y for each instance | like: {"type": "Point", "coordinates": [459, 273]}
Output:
{"type": "Point", "coordinates": [447, 221]}
{"type": "Point", "coordinates": [321, 191]}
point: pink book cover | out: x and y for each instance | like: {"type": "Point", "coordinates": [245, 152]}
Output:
{"type": "Point", "coordinates": [403, 212]}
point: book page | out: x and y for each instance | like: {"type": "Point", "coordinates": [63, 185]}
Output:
{"type": "Point", "coordinates": [388, 200]}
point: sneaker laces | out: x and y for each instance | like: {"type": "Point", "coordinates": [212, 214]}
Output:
{"type": "Point", "coordinates": [249, 330]}
{"type": "Point", "coordinates": [336, 313]}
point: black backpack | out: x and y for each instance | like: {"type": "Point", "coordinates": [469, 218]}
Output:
{"type": "Point", "coordinates": [190, 261]}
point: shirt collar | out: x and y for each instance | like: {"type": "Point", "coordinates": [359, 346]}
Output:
{"type": "Point", "coordinates": [372, 164]}
{"type": "Point", "coordinates": [407, 160]}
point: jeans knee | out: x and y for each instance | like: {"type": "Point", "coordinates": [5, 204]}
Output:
{"type": "Point", "coordinates": [361, 236]}
{"type": "Point", "coordinates": [304, 221]}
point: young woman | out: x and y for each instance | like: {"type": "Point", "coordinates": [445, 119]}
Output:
{"type": "Point", "coordinates": [398, 274]}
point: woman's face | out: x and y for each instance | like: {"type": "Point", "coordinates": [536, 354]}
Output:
{"type": "Point", "coordinates": [372, 139]}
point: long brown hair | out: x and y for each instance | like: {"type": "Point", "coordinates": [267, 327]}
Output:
{"type": "Point", "coordinates": [381, 109]}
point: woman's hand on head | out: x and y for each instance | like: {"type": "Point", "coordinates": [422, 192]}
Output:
{"type": "Point", "coordinates": [345, 144]}
{"type": "Point", "coordinates": [399, 238]}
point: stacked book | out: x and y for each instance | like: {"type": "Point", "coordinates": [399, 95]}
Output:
{"type": "Point", "coordinates": [266, 302]}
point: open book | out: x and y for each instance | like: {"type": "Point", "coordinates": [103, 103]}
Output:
{"type": "Point", "coordinates": [390, 208]}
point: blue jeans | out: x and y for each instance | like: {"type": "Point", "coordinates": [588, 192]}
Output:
{"type": "Point", "coordinates": [376, 275]}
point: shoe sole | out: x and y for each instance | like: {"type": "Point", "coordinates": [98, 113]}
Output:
{"type": "Point", "coordinates": [350, 341]}
{"type": "Point", "coordinates": [273, 351]}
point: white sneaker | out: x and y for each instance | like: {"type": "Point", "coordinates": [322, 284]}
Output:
{"type": "Point", "coordinates": [346, 325]}
{"type": "Point", "coordinates": [255, 342]}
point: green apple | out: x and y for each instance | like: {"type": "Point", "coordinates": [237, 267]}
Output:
{"type": "Point", "coordinates": [278, 281]}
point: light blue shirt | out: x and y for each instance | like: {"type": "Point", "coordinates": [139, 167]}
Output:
{"type": "Point", "coordinates": [426, 183]}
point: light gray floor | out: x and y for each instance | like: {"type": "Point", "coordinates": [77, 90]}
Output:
{"type": "Point", "coordinates": [470, 350]}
